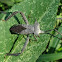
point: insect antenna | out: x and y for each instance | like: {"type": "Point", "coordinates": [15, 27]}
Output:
{"type": "Point", "coordinates": [46, 32]}
{"type": "Point", "coordinates": [54, 36]}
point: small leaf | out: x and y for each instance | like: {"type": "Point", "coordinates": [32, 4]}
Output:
{"type": "Point", "coordinates": [10, 2]}
{"type": "Point", "coordinates": [50, 57]}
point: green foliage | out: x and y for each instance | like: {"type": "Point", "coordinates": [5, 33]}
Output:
{"type": "Point", "coordinates": [50, 57]}
{"type": "Point", "coordinates": [44, 12]}
{"type": "Point", "coordinates": [10, 2]}
{"type": "Point", "coordinates": [2, 6]}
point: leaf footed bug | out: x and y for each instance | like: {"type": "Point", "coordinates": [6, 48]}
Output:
{"type": "Point", "coordinates": [26, 29]}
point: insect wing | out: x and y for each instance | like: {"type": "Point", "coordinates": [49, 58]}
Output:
{"type": "Point", "coordinates": [16, 29]}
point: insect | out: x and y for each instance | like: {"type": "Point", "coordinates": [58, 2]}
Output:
{"type": "Point", "coordinates": [26, 29]}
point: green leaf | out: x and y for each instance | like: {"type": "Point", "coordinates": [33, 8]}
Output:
{"type": "Point", "coordinates": [44, 12]}
{"type": "Point", "coordinates": [50, 57]}
{"type": "Point", "coordinates": [10, 2]}
{"type": "Point", "coordinates": [55, 41]}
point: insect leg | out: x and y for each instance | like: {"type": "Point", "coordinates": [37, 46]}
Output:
{"type": "Point", "coordinates": [27, 40]}
{"type": "Point", "coordinates": [16, 54]}
{"type": "Point", "coordinates": [35, 39]}
{"type": "Point", "coordinates": [11, 15]}
{"type": "Point", "coordinates": [23, 16]}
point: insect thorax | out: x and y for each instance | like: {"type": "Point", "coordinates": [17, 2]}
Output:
{"type": "Point", "coordinates": [37, 28]}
